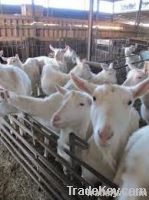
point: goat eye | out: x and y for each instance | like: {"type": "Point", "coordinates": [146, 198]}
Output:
{"type": "Point", "coordinates": [94, 98]}
{"type": "Point", "coordinates": [81, 104]}
{"type": "Point", "coordinates": [129, 102]}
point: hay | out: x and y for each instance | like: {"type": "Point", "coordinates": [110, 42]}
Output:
{"type": "Point", "coordinates": [15, 184]}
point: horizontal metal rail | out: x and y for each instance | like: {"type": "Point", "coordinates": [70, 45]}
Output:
{"type": "Point", "coordinates": [33, 162]}
{"type": "Point", "coordinates": [97, 64]}
{"type": "Point", "coordinates": [47, 172]}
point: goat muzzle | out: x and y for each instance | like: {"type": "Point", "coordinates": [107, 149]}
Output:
{"type": "Point", "coordinates": [105, 135]}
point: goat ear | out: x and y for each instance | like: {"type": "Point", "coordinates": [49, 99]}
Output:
{"type": "Point", "coordinates": [111, 66]}
{"type": "Point", "coordinates": [83, 84]}
{"type": "Point", "coordinates": [82, 63]}
{"type": "Point", "coordinates": [146, 67]}
{"type": "Point", "coordinates": [61, 90]}
{"type": "Point", "coordinates": [51, 47]}
{"type": "Point", "coordinates": [136, 45]}
{"type": "Point", "coordinates": [78, 60]}
{"type": "Point", "coordinates": [104, 66]}
{"type": "Point", "coordinates": [67, 47]}
{"type": "Point", "coordinates": [140, 89]}
{"type": "Point", "coordinates": [1, 53]}
{"type": "Point", "coordinates": [84, 60]}
{"type": "Point", "coordinates": [17, 56]}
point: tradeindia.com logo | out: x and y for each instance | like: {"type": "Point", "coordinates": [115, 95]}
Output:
{"type": "Point", "coordinates": [104, 191]}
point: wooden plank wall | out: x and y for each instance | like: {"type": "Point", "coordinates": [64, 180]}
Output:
{"type": "Point", "coordinates": [17, 27]}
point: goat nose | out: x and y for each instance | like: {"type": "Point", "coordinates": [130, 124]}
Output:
{"type": "Point", "coordinates": [56, 118]}
{"type": "Point", "coordinates": [105, 135]}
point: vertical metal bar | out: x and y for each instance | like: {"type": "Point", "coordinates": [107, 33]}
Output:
{"type": "Point", "coordinates": [90, 24]}
{"type": "Point", "coordinates": [97, 10]}
{"type": "Point", "coordinates": [48, 5]}
{"type": "Point", "coordinates": [138, 15]}
{"type": "Point", "coordinates": [113, 10]}
{"type": "Point", "coordinates": [1, 9]}
{"type": "Point", "coordinates": [33, 10]}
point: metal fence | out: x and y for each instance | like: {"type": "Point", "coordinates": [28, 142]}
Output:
{"type": "Point", "coordinates": [111, 52]}
{"type": "Point", "coordinates": [32, 47]}
{"type": "Point", "coordinates": [47, 172]}
{"type": "Point", "coordinates": [29, 149]}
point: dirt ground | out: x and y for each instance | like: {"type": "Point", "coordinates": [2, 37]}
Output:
{"type": "Point", "coordinates": [15, 184]}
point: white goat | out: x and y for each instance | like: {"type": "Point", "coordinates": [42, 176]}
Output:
{"type": "Point", "coordinates": [32, 67]}
{"type": "Point", "coordinates": [51, 77]}
{"type": "Point", "coordinates": [113, 120]}
{"type": "Point", "coordinates": [60, 66]}
{"type": "Point", "coordinates": [135, 76]}
{"type": "Point", "coordinates": [66, 56]}
{"type": "Point", "coordinates": [64, 59]}
{"type": "Point", "coordinates": [130, 56]}
{"type": "Point", "coordinates": [15, 80]}
{"type": "Point", "coordinates": [41, 109]}
{"type": "Point", "coordinates": [107, 75]}
{"type": "Point", "coordinates": [134, 165]}
{"type": "Point", "coordinates": [73, 116]}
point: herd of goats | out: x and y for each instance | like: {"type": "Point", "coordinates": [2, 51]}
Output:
{"type": "Point", "coordinates": [93, 106]}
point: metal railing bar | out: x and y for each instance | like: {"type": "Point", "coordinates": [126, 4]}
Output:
{"type": "Point", "coordinates": [45, 128]}
{"type": "Point", "coordinates": [41, 130]}
{"type": "Point", "coordinates": [63, 161]}
{"type": "Point", "coordinates": [21, 126]}
{"type": "Point", "coordinates": [37, 174]}
{"type": "Point", "coordinates": [23, 166]}
{"type": "Point", "coordinates": [70, 168]}
{"type": "Point", "coordinates": [99, 176]}
{"type": "Point", "coordinates": [79, 142]}
{"type": "Point", "coordinates": [33, 160]}
{"type": "Point", "coordinates": [21, 138]}
{"type": "Point", "coordinates": [37, 165]}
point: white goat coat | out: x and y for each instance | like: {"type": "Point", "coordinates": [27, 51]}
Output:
{"type": "Point", "coordinates": [95, 155]}
{"type": "Point", "coordinates": [13, 79]}
{"type": "Point", "coordinates": [135, 163]}
{"type": "Point", "coordinates": [51, 76]}
{"type": "Point", "coordinates": [32, 67]}
{"type": "Point", "coordinates": [131, 57]}
{"type": "Point", "coordinates": [41, 109]}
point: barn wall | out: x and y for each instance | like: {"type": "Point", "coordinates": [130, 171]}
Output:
{"type": "Point", "coordinates": [21, 27]}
